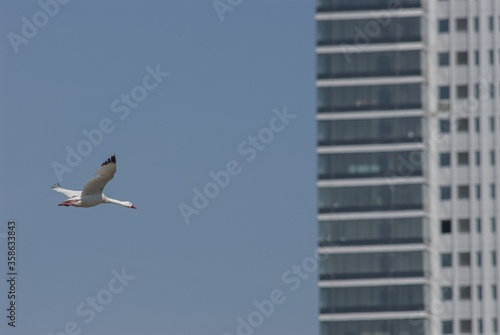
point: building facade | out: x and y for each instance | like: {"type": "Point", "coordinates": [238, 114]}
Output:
{"type": "Point", "coordinates": [408, 166]}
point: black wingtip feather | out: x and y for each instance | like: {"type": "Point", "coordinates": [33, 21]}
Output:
{"type": "Point", "coordinates": [110, 160]}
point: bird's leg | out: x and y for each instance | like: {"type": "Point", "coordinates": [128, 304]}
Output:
{"type": "Point", "coordinates": [67, 203]}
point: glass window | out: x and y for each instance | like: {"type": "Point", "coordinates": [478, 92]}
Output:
{"type": "Point", "coordinates": [444, 126]}
{"type": "Point", "coordinates": [368, 98]}
{"type": "Point", "coordinates": [494, 258]}
{"type": "Point", "coordinates": [373, 265]}
{"type": "Point", "coordinates": [413, 326]}
{"type": "Point", "coordinates": [462, 58]}
{"type": "Point", "coordinates": [494, 292]}
{"type": "Point", "coordinates": [463, 191]}
{"type": "Point", "coordinates": [444, 159]}
{"type": "Point", "coordinates": [492, 191]}
{"type": "Point", "coordinates": [465, 292]}
{"type": "Point", "coordinates": [372, 299]}
{"type": "Point", "coordinates": [478, 158]}
{"type": "Point", "coordinates": [443, 25]}
{"type": "Point", "coordinates": [445, 192]}
{"type": "Point", "coordinates": [491, 57]}
{"type": "Point", "coordinates": [492, 123]}
{"type": "Point", "coordinates": [370, 165]}
{"type": "Point", "coordinates": [446, 293]}
{"type": "Point", "coordinates": [463, 158]}
{"type": "Point", "coordinates": [445, 226]}
{"type": "Point", "coordinates": [369, 64]}
{"type": "Point", "coordinates": [480, 326]}
{"type": "Point", "coordinates": [478, 225]}
{"type": "Point", "coordinates": [464, 259]}
{"type": "Point", "coordinates": [370, 198]}
{"type": "Point", "coordinates": [444, 92]}
{"type": "Point", "coordinates": [492, 157]}
{"type": "Point", "coordinates": [462, 91]}
{"type": "Point", "coordinates": [478, 191]}
{"type": "Point", "coordinates": [447, 327]}
{"type": "Point", "coordinates": [476, 24]}
{"type": "Point", "coordinates": [465, 326]}
{"type": "Point", "coordinates": [476, 57]}
{"type": "Point", "coordinates": [479, 292]}
{"type": "Point", "coordinates": [370, 131]}
{"type": "Point", "coordinates": [446, 260]}
{"type": "Point", "coordinates": [479, 259]}
{"type": "Point", "coordinates": [463, 225]}
{"type": "Point", "coordinates": [352, 32]}
{"type": "Point", "coordinates": [462, 125]}
{"type": "Point", "coordinates": [347, 5]}
{"type": "Point", "coordinates": [491, 23]}
{"type": "Point", "coordinates": [444, 59]}
{"type": "Point", "coordinates": [493, 225]}
{"type": "Point", "coordinates": [477, 124]}
{"type": "Point", "coordinates": [461, 24]}
{"type": "Point", "coordinates": [372, 231]}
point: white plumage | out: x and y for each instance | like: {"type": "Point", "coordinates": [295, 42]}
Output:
{"type": "Point", "coordinates": [92, 192]}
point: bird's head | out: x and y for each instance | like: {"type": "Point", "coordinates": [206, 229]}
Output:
{"type": "Point", "coordinates": [130, 205]}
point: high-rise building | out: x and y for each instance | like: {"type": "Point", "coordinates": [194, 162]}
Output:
{"type": "Point", "coordinates": [408, 111]}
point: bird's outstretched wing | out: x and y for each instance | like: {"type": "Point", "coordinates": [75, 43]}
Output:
{"type": "Point", "coordinates": [104, 174]}
{"type": "Point", "coordinates": [68, 193]}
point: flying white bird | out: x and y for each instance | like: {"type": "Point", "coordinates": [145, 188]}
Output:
{"type": "Point", "coordinates": [92, 192]}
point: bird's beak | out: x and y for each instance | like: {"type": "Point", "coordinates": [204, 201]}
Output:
{"type": "Point", "coordinates": [133, 207]}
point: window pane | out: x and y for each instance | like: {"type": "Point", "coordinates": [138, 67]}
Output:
{"type": "Point", "coordinates": [443, 26]}
{"type": "Point", "coordinates": [464, 259]}
{"type": "Point", "coordinates": [464, 225]}
{"type": "Point", "coordinates": [445, 192]}
{"type": "Point", "coordinates": [465, 292]}
{"type": "Point", "coordinates": [445, 226]}
{"type": "Point", "coordinates": [373, 299]}
{"type": "Point", "coordinates": [462, 91]}
{"type": "Point", "coordinates": [463, 158]}
{"type": "Point", "coordinates": [372, 131]}
{"type": "Point", "coordinates": [461, 24]}
{"type": "Point", "coordinates": [349, 32]}
{"type": "Point", "coordinates": [444, 59]}
{"type": "Point", "coordinates": [414, 326]}
{"type": "Point", "coordinates": [367, 98]}
{"type": "Point", "coordinates": [446, 293]}
{"type": "Point", "coordinates": [447, 327]}
{"type": "Point", "coordinates": [370, 232]}
{"type": "Point", "coordinates": [373, 265]}
{"type": "Point", "coordinates": [369, 64]}
{"type": "Point", "coordinates": [370, 198]}
{"type": "Point", "coordinates": [444, 159]}
{"type": "Point", "coordinates": [462, 58]}
{"type": "Point", "coordinates": [369, 165]}
{"type": "Point", "coordinates": [446, 260]}
{"type": "Point", "coordinates": [349, 5]}
{"type": "Point", "coordinates": [444, 92]}
{"type": "Point", "coordinates": [444, 126]}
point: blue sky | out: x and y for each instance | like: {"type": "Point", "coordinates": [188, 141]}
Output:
{"type": "Point", "coordinates": [228, 80]}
